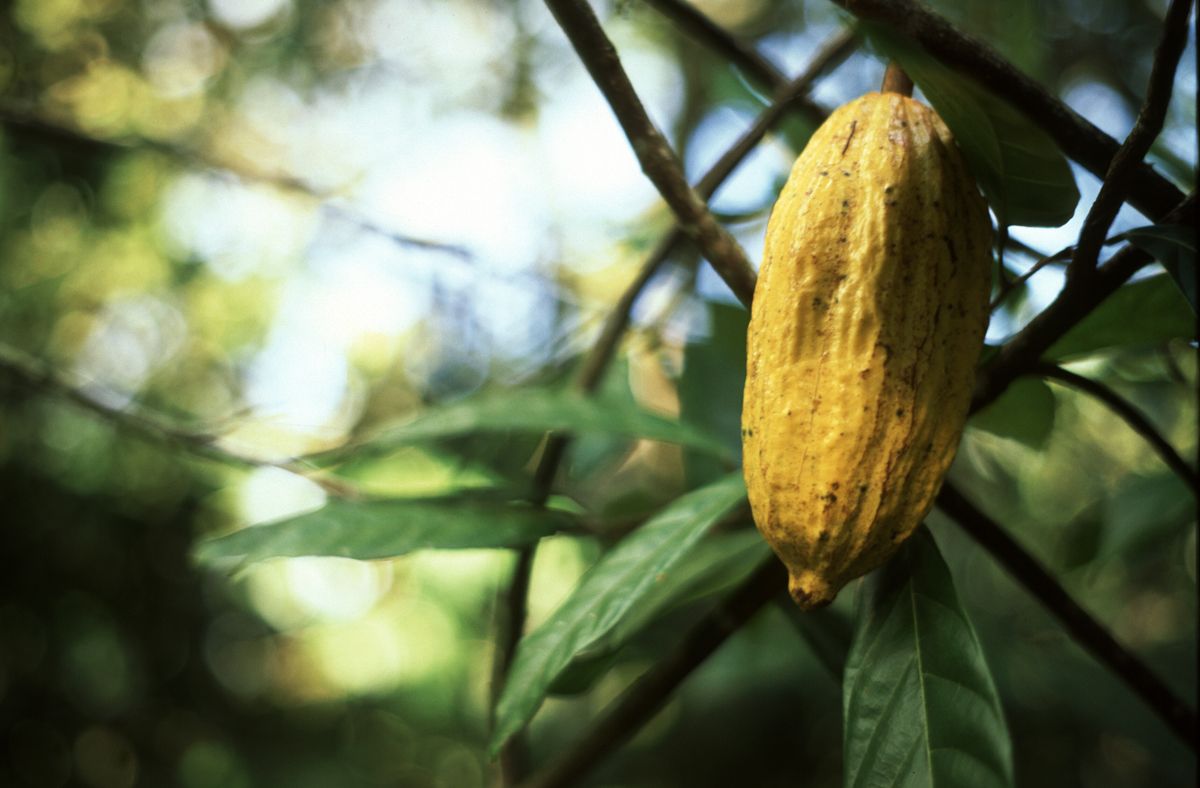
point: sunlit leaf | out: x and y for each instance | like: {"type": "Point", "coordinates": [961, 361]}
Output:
{"type": "Point", "coordinates": [1024, 176]}
{"type": "Point", "coordinates": [1140, 313]}
{"type": "Point", "coordinates": [384, 529]}
{"type": "Point", "coordinates": [713, 566]}
{"type": "Point", "coordinates": [1024, 412]}
{"type": "Point", "coordinates": [610, 591]}
{"type": "Point", "coordinates": [920, 705]}
{"type": "Point", "coordinates": [1174, 247]}
{"type": "Point", "coordinates": [534, 410]}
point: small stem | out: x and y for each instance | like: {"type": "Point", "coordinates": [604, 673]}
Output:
{"type": "Point", "coordinates": [896, 80]}
{"type": "Point", "coordinates": [1128, 413]}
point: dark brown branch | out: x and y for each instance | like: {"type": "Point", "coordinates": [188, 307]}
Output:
{"type": "Point", "coordinates": [657, 160]}
{"type": "Point", "coordinates": [1025, 349]}
{"type": "Point", "coordinates": [1149, 192]}
{"type": "Point", "coordinates": [513, 610]}
{"type": "Point", "coordinates": [650, 692]}
{"type": "Point", "coordinates": [1128, 413]}
{"type": "Point", "coordinates": [832, 52]}
{"type": "Point", "coordinates": [513, 757]}
{"type": "Point", "coordinates": [1083, 628]}
{"type": "Point", "coordinates": [1120, 174]}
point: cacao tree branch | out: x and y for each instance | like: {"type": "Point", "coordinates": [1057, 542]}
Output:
{"type": "Point", "coordinates": [513, 758]}
{"type": "Point", "coordinates": [648, 694]}
{"type": "Point", "coordinates": [1128, 413]}
{"type": "Point", "coordinates": [786, 98]}
{"type": "Point", "coordinates": [1149, 192]}
{"type": "Point", "coordinates": [1149, 123]}
{"type": "Point", "coordinates": [1083, 628]}
{"type": "Point", "coordinates": [657, 160]}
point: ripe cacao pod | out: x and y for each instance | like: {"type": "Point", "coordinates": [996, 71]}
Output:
{"type": "Point", "coordinates": [867, 323]}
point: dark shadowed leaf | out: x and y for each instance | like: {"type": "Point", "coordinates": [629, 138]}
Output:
{"type": "Point", "coordinates": [710, 389]}
{"type": "Point", "coordinates": [1024, 176]}
{"type": "Point", "coordinates": [533, 410]}
{"type": "Point", "coordinates": [1174, 247]}
{"type": "Point", "coordinates": [384, 529]}
{"type": "Point", "coordinates": [610, 591]}
{"type": "Point", "coordinates": [1024, 412]}
{"type": "Point", "coordinates": [1144, 513]}
{"type": "Point", "coordinates": [921, 708]}
{"type": "Point", "coordinates": [1140, 313]}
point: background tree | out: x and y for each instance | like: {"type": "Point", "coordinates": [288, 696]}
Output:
{"type": "Point", "coordinates": [386, 275]}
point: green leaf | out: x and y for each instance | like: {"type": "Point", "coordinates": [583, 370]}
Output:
{"type": "Point", "coordinates": [710, 388]}
{"type": "Point", "coordinates": [826, 631]}
{"type": "Point", "coordinates": [1024, 412]}
{"type": "Point", "coordinates": [533, 410]}
{"type": "Point", "coordinates": [609, 592]}
{"type": "Point", "coordinates": [1173, 246]}
{"type": "Point", "coordinates": [920, 705]}
{"type": "Point", "coordinates": [712, 567]}
{"type": "Point", "coordinates": [1145, 312]}
{"type": "Point", "coordinates": [1143, 513]}
{"type": "Point", "coordinates": [1024, 176]}
{"type": "Point", "coordinates": [384, 529]}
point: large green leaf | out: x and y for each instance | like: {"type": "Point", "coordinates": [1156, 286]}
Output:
{"type": "Point", "coordinates": [1024, 176]}
{"type": "Point", "coordinates": [715, 565]}
{"type": "Point", "coordinates": [534, 410]}
{"type": "Point", "coordinates": [1174, 246]}
{"type": "Point", "coordinates": [1024, 412]}
{"type": "Point", "coordinates": [920, 705]}
{"type": "Point", "coordinates": [1145, 312]}
{"type": "Point", "coordinates": [610, 591]}
{"type": "Point", "coordinates": [384, 529]}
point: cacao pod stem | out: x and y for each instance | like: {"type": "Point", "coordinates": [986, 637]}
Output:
{"type": "Point", "coordinates": [895, 80]}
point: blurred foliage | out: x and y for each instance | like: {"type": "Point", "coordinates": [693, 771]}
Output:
{"type": "Point", "coordinates": [288, 225]}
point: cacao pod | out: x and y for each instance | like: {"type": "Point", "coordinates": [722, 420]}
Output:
{"type": "Point", "coordinates": [867, 323]}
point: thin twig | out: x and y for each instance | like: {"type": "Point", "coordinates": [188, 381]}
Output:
{"type": "Point", "coordinates": [1149, 192]}
{"type": "Point", "coordinates": [38, 376]}
{"type": "Point", "coordinates": [657, 160]}
{"type": "Point", "coordinates": [1119, 177]}
{"type": "Point", "coordinates": [1008, 287]}
{"type": "Point", "coordinates": [1025, 348]}
{"type": "Point", "coordinates": [1128, 413]}
{"type": "Point", "coordinates": [64, 136]}
{"type": "Point", "coordinates": [650, 692]}
{"type": "Point", "coordinates": [693, 22]}
{"type": "Point", "coordinates": [1083, 628]}
{"type": "Point", "coordinates": [514, 757]}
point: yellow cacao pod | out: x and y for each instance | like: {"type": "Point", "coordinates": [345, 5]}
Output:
{"type": "Point", "coordinates": [867, 324]}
